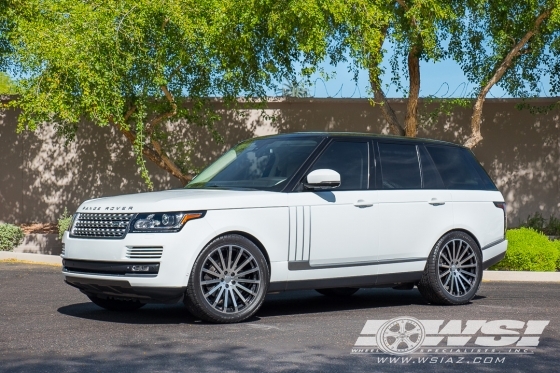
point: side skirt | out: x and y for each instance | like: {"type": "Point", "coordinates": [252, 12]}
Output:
{"type": "Point", "coordinates": [383, 280]}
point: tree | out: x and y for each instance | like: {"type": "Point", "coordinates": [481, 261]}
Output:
{"type": "Point", "coordinates": [136, 64]}
{"type": "Point", "coordinates": [412, 27]}
{"type": "Point", "coordinates": [508, 44]}
{"type": "Point", "coordinates": [7, 86]}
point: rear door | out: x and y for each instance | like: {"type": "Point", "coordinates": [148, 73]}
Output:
{"type": "Point", "coordinates": [414, 209]}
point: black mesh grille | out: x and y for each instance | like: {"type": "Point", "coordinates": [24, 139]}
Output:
{"type": "Point", "coordinates": [90, 225]}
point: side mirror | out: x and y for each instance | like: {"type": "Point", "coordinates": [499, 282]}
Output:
{"type": "Point", "coordinates": [322, 179]}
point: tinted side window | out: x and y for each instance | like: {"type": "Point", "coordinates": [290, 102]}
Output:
{"type": "Point", "coordinates": [456, 169]}
{"type": "Point", "coordinates": [430, 175]}
{"type": "Point", "coordinates": [350, 160]}
{"type": "Point", "coordinates": [399, 166]}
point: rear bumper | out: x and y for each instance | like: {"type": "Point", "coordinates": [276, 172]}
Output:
{"type": "Point", "coordinates": [493, 253]}
{"type": "Point", "coordinates": [121, 289]}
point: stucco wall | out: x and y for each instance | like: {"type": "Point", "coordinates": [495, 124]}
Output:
{"type": "Point", "coordinates": [40, 175]}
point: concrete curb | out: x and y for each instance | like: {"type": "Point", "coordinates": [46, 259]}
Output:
{"type": "Point", "coordinates": [520, 276]}
{"type": "Point", "coordinates": [34, 258]}
{"type": "Point", "coordinates": [488, 276]}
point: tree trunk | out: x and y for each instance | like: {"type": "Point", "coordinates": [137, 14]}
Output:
{"type": "Point", "coordinates": [476, 118]}
{"type": "Point", "coordinates": [386, 109]}
{"type": "Point", "coordinates": [411, 119]}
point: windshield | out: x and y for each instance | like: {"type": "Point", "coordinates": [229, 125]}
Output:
{"type": "Point", "coordinates": [265, 164]}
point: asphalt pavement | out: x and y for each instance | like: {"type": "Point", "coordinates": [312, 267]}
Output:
{"type": "Point", "coordinates": [47, 326]}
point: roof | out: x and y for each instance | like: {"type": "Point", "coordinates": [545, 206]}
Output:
{"type": "Point", "coordinates": [368, 135]}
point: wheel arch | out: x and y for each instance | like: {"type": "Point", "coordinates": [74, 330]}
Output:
{"type": "Point", "coordinates": [466, 232]}
{"type": "Point", "coordinates": [251, 238]}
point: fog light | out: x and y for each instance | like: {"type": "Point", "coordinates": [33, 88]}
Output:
{"type": "Point", "coordinates": [140, 268]}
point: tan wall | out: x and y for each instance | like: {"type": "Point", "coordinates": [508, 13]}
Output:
{"type": "Point", "coordinates": [40, 176]}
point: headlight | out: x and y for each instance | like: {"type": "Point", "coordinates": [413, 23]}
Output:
{"type": "Point", "coordinates": [163, 221]}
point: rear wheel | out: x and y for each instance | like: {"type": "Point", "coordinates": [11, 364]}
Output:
{"type": "Point", "coordinates": [338, 292]}
{"type": "Point", "coordinates": [454, 270]}
{"type": "Point", "coordinates": [228, 282]}
{"type": "Point", "coordinates": [116, 304]}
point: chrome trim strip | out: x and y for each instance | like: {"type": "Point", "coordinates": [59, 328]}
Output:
{"type": "Point", "coordinates": [493, 244]}
{"type": "Point", "coordinates": [302, 265]}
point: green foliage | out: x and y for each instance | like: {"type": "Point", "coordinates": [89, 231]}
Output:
{"type": "Point", "coordinates": [538, 222]}
{"type": "Point", "coordinates": [7, 86]}
{"type": "Point", "coordinates": [10, 237]}
{"type": "Point", "coordinates": [135, 64]}
{"type": "Point", "coordinates": [487, 31]}
{"type": "Point", "coordinates": [529, 250]}
{"type": "Point", "coordinates": [64, 223]}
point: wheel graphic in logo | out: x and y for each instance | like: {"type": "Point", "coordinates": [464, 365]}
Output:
{"type": "Point", "coordinates": [401, 336]}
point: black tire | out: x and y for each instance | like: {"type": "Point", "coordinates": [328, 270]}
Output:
{"type": "Point", "coordinates": [216, 292]}
{"type": "Point", "coordinates": [453, 271]}
{"type": "Point", "coordinates": [338, 292]}
{"type": "Point", "coordinates": [116, 304]}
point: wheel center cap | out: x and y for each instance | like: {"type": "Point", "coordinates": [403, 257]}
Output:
{"type": "Point", "coordinates": [453, 268]}
{"type": "Point", "coordinates": [227, 279]}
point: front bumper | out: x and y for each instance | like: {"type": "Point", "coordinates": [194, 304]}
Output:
{"type": "Point", "coordinates": [102, 260]}
{"type": "Point", "coordinates": [121, 289]}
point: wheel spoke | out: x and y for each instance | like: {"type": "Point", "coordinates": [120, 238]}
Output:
{"type": "Point", "coordinates": [467, 266]}
{"type": "Point", "coordinates": [232, 295]}
{"type": "Point", "coordinates": [467, 258]}
{"type": "Point", "coordinates": [226, 296]}
{"type": "Point", "coordinates": [240, 295]}
{"type": "Point", "coordinates": [447, 281]}
{"type": "Point", "coordinates": [218, 297]}
{"type": "Point", "coordinates": [444, 266]}
{"type": "Point", "coordinates": [210, 272]}
{"type": "Point", "coordinates": [467, 273]}
{"type": "Point", "coordinates": [212, 291]}
{"type": "Point", "coordinates": [216, 265]}
{"type": "Point", "coordinates": [248, 281]}
{"type": "Point", "coordinates": [246, 290]}
{"type": "Point", "coordinates": [445, 257]}
{"type": "Point", "coordinates": [208, 282]}
{"type": "Point", "coordinates": [444, 273]}
{"type": "Point", "coordinates": [239, 254]}
{"type": "Point", "coordinates": [248, 271]}
{"type": "Point", "coordinates": [230, 253]}
{"type": "Point", "coordinates": [460, 281]}
{"type": "Point", "coordinates": [245, 263]}
{"type": "Point", "coordinates": [466, 281]}
{"type": "Point", "coordinates": [454, 256]}
{"type": "Point", "coordinates": [222, 260]}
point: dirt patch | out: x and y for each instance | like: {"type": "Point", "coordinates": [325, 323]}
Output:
{"type": "Point", "coordinates": [40, 228]}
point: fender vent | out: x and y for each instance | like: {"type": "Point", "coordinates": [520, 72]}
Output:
{"type": "Point", "coordinates": [144, 252]}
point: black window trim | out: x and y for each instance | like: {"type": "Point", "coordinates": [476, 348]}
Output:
{"type": "Point", "coordinates": [295, 185]}
{"type": "Point", "coordinates": [378, 154]}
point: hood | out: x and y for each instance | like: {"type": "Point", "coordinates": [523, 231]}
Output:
{"type": "Point", "coordinates": [185, 200]}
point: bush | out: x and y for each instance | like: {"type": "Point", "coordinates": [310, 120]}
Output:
{"type": "Point", "coordinates": [10, 237]}
{"type": "Point", "coordinates": [550, 227]}
{"type": "Point", "coordinates": [64, 223]}
{"type": "Point", "coordinates": [529, 250]}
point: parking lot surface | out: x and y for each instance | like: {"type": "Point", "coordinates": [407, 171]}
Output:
{"type": "Point", "coordinates": [47, 326]}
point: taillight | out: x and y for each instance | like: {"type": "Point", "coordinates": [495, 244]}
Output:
{"type": "Point", "coordinates": [502, 205]}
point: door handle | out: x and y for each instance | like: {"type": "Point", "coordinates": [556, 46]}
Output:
{"type": "Point", "coordinates": [362, 203]}
{"type": "Point", "coordinates": [436, 202]}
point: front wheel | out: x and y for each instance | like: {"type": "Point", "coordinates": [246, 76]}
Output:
{"type": "Point", "coordinates": [453, 271]}
{"type": "Point", "coordinates": [116, 304]}
{"type": "Point", "coordinates": [229, 280]}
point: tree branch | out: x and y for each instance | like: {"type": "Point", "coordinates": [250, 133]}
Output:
{"type": "Point", "coordinates": [476, 118]}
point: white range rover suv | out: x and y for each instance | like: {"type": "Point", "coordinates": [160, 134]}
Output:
{"type": "Point", "coordinates": [333, 212]}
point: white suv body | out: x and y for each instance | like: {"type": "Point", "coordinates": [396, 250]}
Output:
{"type": "Point", "coordinates": [333, 212]}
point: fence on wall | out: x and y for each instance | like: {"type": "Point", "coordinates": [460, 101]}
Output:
{"type": "Point", "coordinates": [41, 176]}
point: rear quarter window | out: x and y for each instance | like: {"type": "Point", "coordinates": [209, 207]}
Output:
{"type": "Point", "coordinates": [459, 169]}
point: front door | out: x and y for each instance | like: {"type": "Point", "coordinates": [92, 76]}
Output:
{"type": "Point", "coordinates": [336, 227]}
